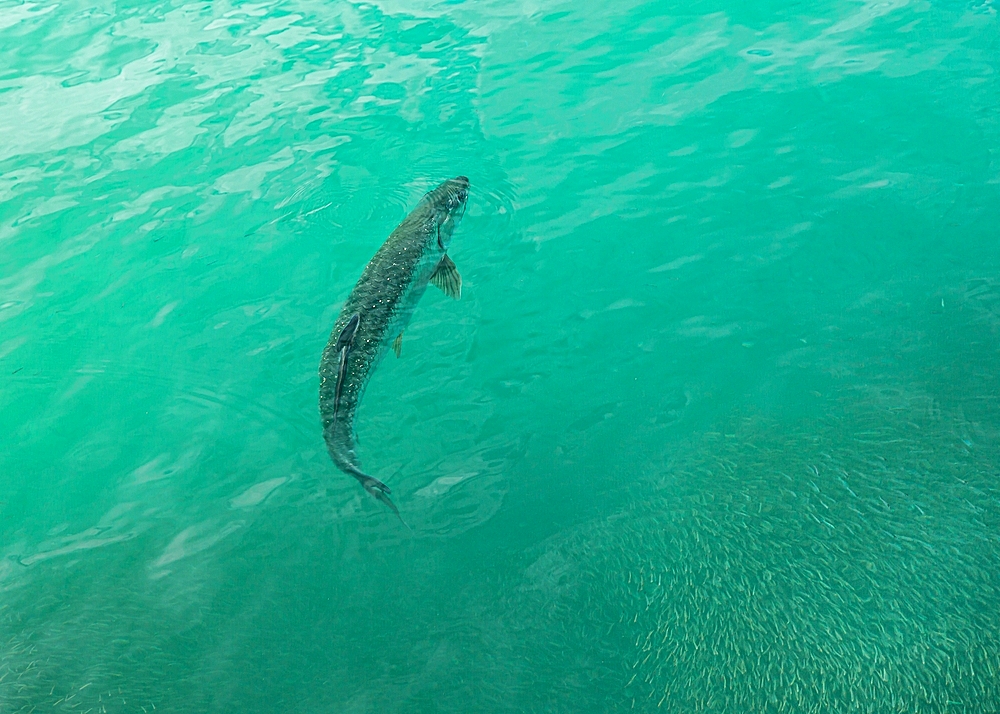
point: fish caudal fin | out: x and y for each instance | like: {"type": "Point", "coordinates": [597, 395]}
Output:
{"type": "Point", "coordinates": [376, 488]}
{"type": "Point", "coordinates": [381, 493]}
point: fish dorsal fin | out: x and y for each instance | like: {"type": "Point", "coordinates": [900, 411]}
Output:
{"type": "Point", "coordinates": [446, 277]}
{"type": "Point", "coordinates": [346, 338]}
{"type": "Point", "coordinates": [341, 373]}
{"type": "Point", "coordinates": [344, 343]}
{"type": "Point", "coordinates": [397, 344]}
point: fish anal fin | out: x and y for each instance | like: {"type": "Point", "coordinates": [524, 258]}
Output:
{"type": "Point", "coordinates": [446, 277]}
{"type": "Point", "coordinates": [397, 344]}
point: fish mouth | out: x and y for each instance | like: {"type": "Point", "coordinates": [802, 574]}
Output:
{"type": "Point", "coordinates": [459, 190]}
{"type": "Point", "coordinates": [450, 193]}
{"type": "Point", "coordinates": [452, 196]}
{"type": "Point", "coordinates": [446, 205]}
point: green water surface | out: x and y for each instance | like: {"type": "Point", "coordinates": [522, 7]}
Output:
{"type": "Point", "coordinates": [714, 427]}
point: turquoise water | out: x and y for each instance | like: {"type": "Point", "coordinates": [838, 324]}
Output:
{"type": "Point", "coordinates": [714, 427]}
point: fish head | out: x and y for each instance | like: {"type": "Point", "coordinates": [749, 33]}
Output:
{"type": "Point", "coordinates": [449, 201]}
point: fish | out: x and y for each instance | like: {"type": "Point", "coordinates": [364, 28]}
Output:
{"type": "Point", "coordinates": [377, 312]}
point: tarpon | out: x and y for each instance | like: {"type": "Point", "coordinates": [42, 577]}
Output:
{"type": "Point", "coordinates": [376, 313]}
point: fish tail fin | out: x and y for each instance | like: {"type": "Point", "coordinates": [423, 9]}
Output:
{"type": "Point", "coordinates": [381, 492]}
{"type": "Point", "coordinates": [372, 485]}
{"type": "Point", "coordinates": [376, 488]}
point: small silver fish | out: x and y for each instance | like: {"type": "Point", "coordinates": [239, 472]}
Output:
{"type": "Point", "coordinates": [376, 313]}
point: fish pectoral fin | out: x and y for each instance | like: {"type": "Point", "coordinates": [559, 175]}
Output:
{"type": "Point", "coordinates": [397, 344]}
{"type": "Point", "coordinates": [446, 277]}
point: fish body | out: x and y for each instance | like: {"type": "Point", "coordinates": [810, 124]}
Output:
{"type": "Point", "coordinates": [376, 313]}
